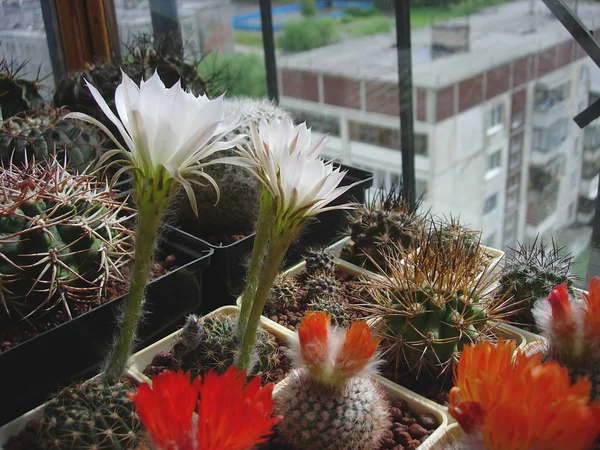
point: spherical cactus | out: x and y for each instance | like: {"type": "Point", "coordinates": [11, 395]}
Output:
{"type": "Point", "coordinates": [90, 415]}
{"type": "Point", "coordinates": [453, 236]}
{"type": "Point", "coordinates": [39, 134]}
{"type": "Point", "coordinates": [218, 346]}
{"type": "Point", "coordinates": [571, 329]}
{"type": "Point", "coordinates": [61, 238]}
{"type": "Point", "coordinates": [17, 94]}
{"type": "Point", "coordinates": [339, 311]}
{"type": "Point", "coordinates": [320, 260]}
{"type": "Point", "coordinates": [320, 286]}
{"type": "Point", "coordinates": [282, 294]}
{"type": "Point", "coordinates": [330, 400]}
{"type": "Point", "coordinates": [530, 274]}
{"type": "Point", "coordinates": [237, 209]}
{"type": "Point", "coordinates": [388, 219]}
{"type": "Point", "coordinates": [430, 307]}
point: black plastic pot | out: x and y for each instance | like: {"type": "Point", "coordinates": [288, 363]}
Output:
{"type": "Point", "coordinates": [30, 371]}
{"type": "Point", "coordinates": [224, 279]}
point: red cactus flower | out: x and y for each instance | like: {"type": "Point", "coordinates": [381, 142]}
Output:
{"type": "Point", "coordinates": [357, 351]}
{"type": "Point", "coordinates": [167, 409]}
{"type": "Point", "coordinates": [232, 415]}
{"type": "Point", "coordinates": [522, 404]}
{"type": "Point", "coordinates": [592, 314]}
{"type": "Point", "coordinates": [562, 311]}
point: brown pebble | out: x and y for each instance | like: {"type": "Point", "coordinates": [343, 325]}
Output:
{"type": "Point", "coordinates": [402, 437]}
{"type": "Point", "coordinates": [428, 421]}
{"type": "Point", "coordinates": [157, 267]}
{"type": "Point", "coordinates": [273, 318]}
{"type": "Point", "coordinates": [417, 431]}
{"type": "Point", "coordinates": [400, 427]}
{"type": "Point", "coordinates": [387, 440]}
{"type": "Point", "coordinates": [398, 447]}
{"type": "Point", "coordinates": [412, 445]}
{"type": "Point", "coordinates": [170, 260]}
{"type": "Point", "coordinates": [403, 405]}
{"type": "Point", "coordinates": [396, 413]}
{"type": "Point", "coordinates": [408, 421]}
{"type": "Point", "coordinates": [162, 359]}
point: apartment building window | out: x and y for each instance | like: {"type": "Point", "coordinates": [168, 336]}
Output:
{"type": "Point", "coordinates": [421, 147]}
{"type": "Point", "coordinates": [517, 120]}
{"type": "Point", "coordinates": [490, 204]}
{"type": "Point", "coordinates": [495, 160]}
{"type": "Point", "coordinates": [319, 123]}
{"type": "Point", "coordinates": [385, 137]}
{"type": "Point", "coordinates": [547, 98]}
{"type": "Point", "coordinates": [547, 139]}
{"type": "Point", "coordinates": [514, 160]}
{"type": "Point", "coordinates": [512, 198]}
{"type": "Point", "coordinates": [513, 181]}
{"type": "Point", "coordinates": [495, 121]}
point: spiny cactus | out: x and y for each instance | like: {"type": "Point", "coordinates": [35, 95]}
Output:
{"type": "Point", "coordinates": [430, 306]}
{"type": "Point", "coordinates": [218, 346]}
{"type": "Point", "coordinates": [282, 294]}
{"type": "Point", "coordinates": [92, 415]}
{"type": "Point", "coordinates": [340, 316]}
{"type": "Point", "coordinates": [572, 331]}
{"type": "Point", "coordinates": [320, 286]}
{"type": "Point", "coordinates": [237, 210]}
{"type": "Point", "coordinates": [16, 93]}
{"type": "Point", "coordinates": [530, 274]}
{"type": "Point", "coordinates": [61, 238]}
{"type": "Point", "coordinates": [320, 260]}
{"type": "Point", "coordinates": [450, 232]}
{"type": "Point", "coordinates": [330, 400]}
{"type": "Point", "coordinates": [388, 219]}
{"type": "Point", "coordinates": [41, 133]}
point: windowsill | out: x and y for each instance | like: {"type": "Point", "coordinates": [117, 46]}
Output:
{"type": "Point", "coordinates": [490, 174]}
{"type": "Point", "coordinates": [495, 129]}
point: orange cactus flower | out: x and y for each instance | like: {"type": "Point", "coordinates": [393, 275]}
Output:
{"type": "Point", "coordinates": [167, 409]}
{"type": "Point", "coordinates": [313, 333]}
{"type": "Point", "coordinates": [592, 313]}
{"type": "Point", "coordinates": [357, 351]}
{"type": "Point", "coordinates": [522, 404]}
{"type": "Point", "coordinates": [233, 415]}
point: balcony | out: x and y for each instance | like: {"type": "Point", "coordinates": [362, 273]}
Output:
{"type": "Point", "coordinates": [591, 155]}
{"type": "Point", "coordinates": [550, 104]}
{"type": "Point", "coordinates": [588, 188]}
{"type": "Point", "coordinates": [548, 142]}
{"type": "Point", "coordinates": [585, 211]}
{"type": "Point", "coordinates": [546, 116]}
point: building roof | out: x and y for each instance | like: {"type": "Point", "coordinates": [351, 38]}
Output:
{"type": "Point", "coordinates": [498, 34]}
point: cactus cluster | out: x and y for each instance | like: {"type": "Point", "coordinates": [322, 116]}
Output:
{"type": "Point", "coordinates": [61, 238]}
{"type": "Point", "coordinates": [430, 306]}
{"type": "Point", "coordinates": [530, 273]}
{"type": "Point", "coordinates": [319, 260]}
{"type": "Point", "coordinates": [388, 219]}
{"type": "Point", "coordinates": [212, 343]}
{"type": "Point", "coordinates": [237, 209]}
{"type": "Point", "coordinates": [17, 94]}
{"type": "Point", "coordinates": [450, 232]}
{"type": "Point", "coordinates": [330, 400]}
{"type": "Point", "coordinates": [40, 134]}
{"type": "Point", "coordinates": [282, 294]}
{"type": "Point", "coordinates": [571, 328]}
{"type": "Point", "coordinates": [90, 415]}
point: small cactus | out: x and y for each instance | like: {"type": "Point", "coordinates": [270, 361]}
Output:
{"type": "Point", "coordinates": [16, 93]}
{"type": "Point", "coordinates": [330, 400]}
{"type": "Point", "coordinates": [530, 274]}
{"type": "Point", "coordinates": [572, 331]}
{"type": "Point", "coordinates": [450, 232]}
{"type": "Point", "coordinates": [340, 316]}
{"type": "Point", "coordinates": [92, 415]}
{"type": "Point", "coordinates": [320, 260]}
{"type": "Point", "coordinates": [282, 294]}
{"type": "Point", "coordinates": [321, 286]}
{"type": "Point", "coordinates": [218, 346]}
{"type": "Point", "coordinates": [388, 219]}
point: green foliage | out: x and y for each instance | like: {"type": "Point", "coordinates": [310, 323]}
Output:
{"type": "Point", "coordinates": [61, 238]}
{"type": "Point", "coordinates": [306, 34]}
{"type": "Point", "coordinates": [213, 343]}
{"type": "Point", "coordinates": [250, 38]}
{"type": "Point", "coordinates": [40, 133]}
{"type": "Point", "coordinates": [236, 74]}
{"type": "Point", "coordinates": [346, 19]}
{"type": "Point", "coordinates": [357, 11]}
{"type": "Point", "coordinates": [372, 25]}
{"type": "Point", "coordinates": [90, 415]}
{"type": "Point", "coordinates": [308, 8]}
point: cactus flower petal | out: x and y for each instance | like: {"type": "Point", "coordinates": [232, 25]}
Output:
{"type": "Point", "coordinates": [314, 333]}
{"type": "Point", "coordinates": [357, 351]}
{"type": "Point", "coordinates": [166, 409]}
{"type": "Point", "coordinates": [592, 313]}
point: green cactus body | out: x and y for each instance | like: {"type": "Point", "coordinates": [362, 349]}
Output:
{"type": "Point", "coordinates": [92, 415]}
{"type": "Point", "coordinates": [320, 286]}
{"type": "Point", "coordinates": [317, 417]}
{"type": "Point", "coordinates": [282, 294]}
{"type": "Point", "coordinates": [530, 274]}
{"type": "Point", "coordinates": [17, 94]}
{"type": "Point", "coordinates": [320, 261]}
{"type": "Point", "coordinates": [218, 347]}
{"type": "Point", "coordinates": [61, 238]}
{"type": "Point", "coordinates": [450, 233]}
{"type": "Point", "coordinates": [40, 134]}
